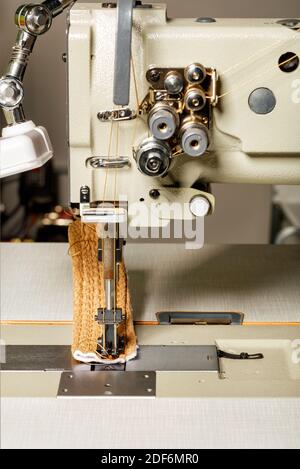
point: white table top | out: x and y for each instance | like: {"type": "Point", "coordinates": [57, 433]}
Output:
{"type": "Point", "coordinates": [260, 281]}
{"type": "Point", "coordinates": [160, 423]}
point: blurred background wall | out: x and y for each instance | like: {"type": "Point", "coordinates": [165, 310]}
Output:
{"type": "Point", "coordinates": [243, 212]}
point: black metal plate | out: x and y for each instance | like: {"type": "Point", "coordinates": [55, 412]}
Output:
{"type": "Point", "coordinates": [46, 358]}
{"type": "Point", "coordinates": [175, 358]}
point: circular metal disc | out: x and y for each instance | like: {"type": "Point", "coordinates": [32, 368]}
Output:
{"type": "Point", "coordinates": [262, 101]}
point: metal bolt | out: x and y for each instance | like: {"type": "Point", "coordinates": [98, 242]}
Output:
{"type": "Point", "coordinates": [195, 73]}
{"type": "Point", "coordinates": [195, 99]}
{"type": "Point", "coordinates": [173, 83]}
{"type": "Point", "coordinates": [154, 164]}
{"type": "Point", "coordinates": [40, 18]}
{"type": "Point", "coordinates": [154, 193]}
{"type": "Point", "coordinates": [154, 75]}
{"type": "Point", "coordinates": [11, 92]}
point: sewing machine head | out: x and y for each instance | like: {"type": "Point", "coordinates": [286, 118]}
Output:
{"type": "Point", "coordinates": [160, 108]}
{"type": "Point", "coordinates": [195, 101]}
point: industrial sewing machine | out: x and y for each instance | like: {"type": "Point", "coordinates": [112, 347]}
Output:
{"type": "Point", "coordinates": [158, 109]}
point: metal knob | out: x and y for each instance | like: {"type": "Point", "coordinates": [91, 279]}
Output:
{"type": "Point", "coordinates": [173, 83]}
{"type": "Point", "coordinates": [195, 73]}
{"type": "Point", "coordinates": [163, 121]}
{"type": "Point", "coordinates": [194, 139]}
{"type": "Point", "coordinates": [199, 206]}
{"type": "Point", "coordinates": [195, 99]}
{"type": "Point", "coordinates": [153, 157]}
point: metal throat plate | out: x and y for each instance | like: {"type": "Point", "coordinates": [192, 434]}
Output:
{"type": "Point", "coordinates": [107, 384]}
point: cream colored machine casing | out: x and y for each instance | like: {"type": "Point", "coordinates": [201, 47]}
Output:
{"type": "Point", "coordinates": [245, 147]}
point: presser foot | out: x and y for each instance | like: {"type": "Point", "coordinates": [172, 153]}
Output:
{"type": "Point", "coordinates": [110, 343]}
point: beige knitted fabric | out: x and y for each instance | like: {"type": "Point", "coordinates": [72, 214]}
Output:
{"type": "Point", "coordinates": [88, 296]}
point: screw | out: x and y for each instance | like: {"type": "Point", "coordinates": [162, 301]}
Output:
{"type": "Point", "coordinates": [153, 164]}
{"type": "Point", "coordinates": [64, 57]}
{"type": "Point", "coordinates": [154, 193]}
{"type": "Point", "coordinates": [173, 83]}
{"type": "Point", "coordinates": [154, 75]}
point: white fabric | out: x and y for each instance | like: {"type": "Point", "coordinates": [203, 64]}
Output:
{"type": "Point", "coordinates": [94, 358]}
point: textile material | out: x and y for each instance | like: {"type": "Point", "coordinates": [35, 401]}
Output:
{"type": "Point", "coordinates": [88, 296]}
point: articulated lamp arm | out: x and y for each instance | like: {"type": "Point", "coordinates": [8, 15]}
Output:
{"type": "Point", "coordinates": [24, 146]}
{"type": "Point", "coordinates": [32, 21]}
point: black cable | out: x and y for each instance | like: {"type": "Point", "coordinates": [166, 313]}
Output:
{"type": "Point", "coordinates": [240, 356]}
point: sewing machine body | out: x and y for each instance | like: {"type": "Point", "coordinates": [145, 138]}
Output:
{"type": "Point", "coordinates": [244, 146]}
